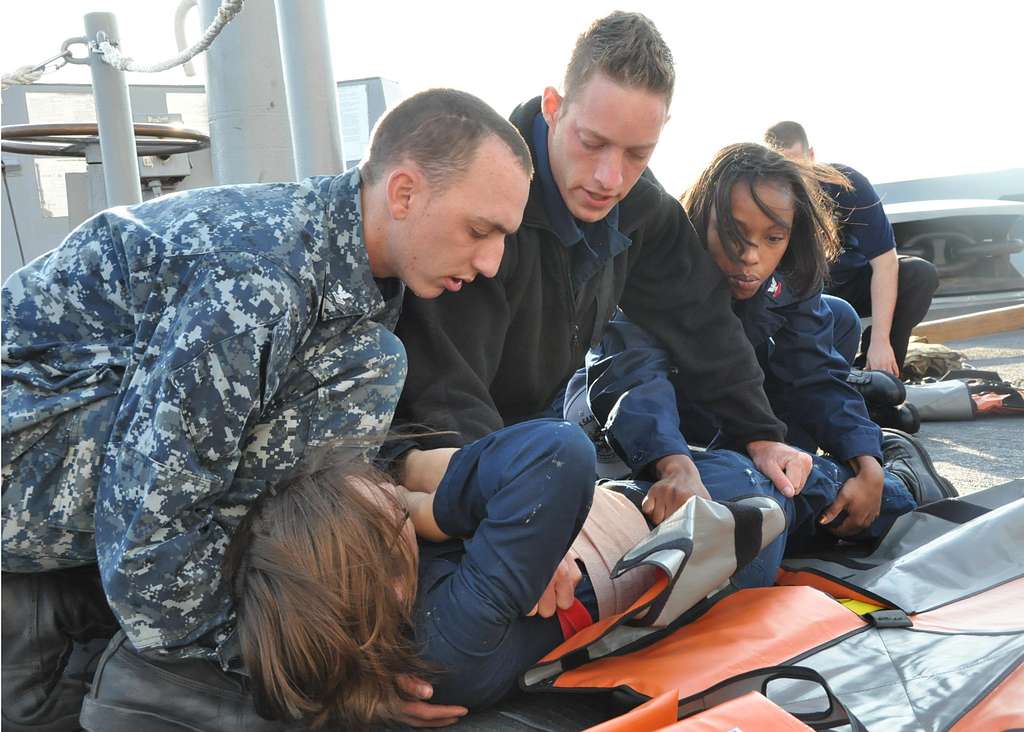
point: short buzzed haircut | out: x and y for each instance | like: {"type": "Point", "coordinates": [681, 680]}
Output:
{"type": "Point", "coordinates": [440, 130]}
{"type": "Point", "coordinates": [628, 49]}
{"type": "Point", "coordinates": [783, 135]}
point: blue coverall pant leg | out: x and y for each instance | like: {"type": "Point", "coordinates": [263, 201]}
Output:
{"type": "Point", "coordinates": [516, 499]}
{"type": "Point", "coordinates": [845, 326]}
{"type": "Point", "coordinates": [730, 475]}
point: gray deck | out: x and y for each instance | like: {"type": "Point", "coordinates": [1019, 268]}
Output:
{"type": "Point", "coordinates": [987, 451]}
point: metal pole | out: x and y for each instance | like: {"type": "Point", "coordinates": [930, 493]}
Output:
{"type": "Point", "coordinates": [113, 116]}
{"type": "Point", "coordinates": [249, 137]}
{"type": "Point", "coordinates": [309, 85]}
{"type": "Point", "coordinates": [97, 180]}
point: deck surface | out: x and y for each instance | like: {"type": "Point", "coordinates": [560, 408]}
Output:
{"type": "Point", "coordinates": [988, 451]}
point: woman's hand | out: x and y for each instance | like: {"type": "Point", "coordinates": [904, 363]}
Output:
{"type": "Point", "coordinates": [418, 712]}
{"type": "Point", "coordinates": [561, 590]}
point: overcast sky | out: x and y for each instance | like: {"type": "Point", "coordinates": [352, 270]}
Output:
{"type": "Point", "coordinates": [899, 90]}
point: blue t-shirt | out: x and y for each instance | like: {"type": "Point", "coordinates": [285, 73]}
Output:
{"type": "Point", "coordinates": [864, 227]}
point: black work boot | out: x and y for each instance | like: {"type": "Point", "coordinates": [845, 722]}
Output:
{"type": "Point", "coordinates": [49, 621]}
{"type": "Point", "coordinates": [877, 387]}
{"type": "Point", "coordinates": [907, 459]}
{"type": "Point", "coordinates": [903, 417]}
{"type": "Point", "coordinates": [135, 693]}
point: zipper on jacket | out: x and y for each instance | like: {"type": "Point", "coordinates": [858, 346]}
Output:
{"type": "Point", "coordinates": [570, 300]}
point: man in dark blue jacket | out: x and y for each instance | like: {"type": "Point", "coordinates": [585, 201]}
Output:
{"type": "Point", "coordinates": [598, 232]}
{"type": "Point", "coordinates": [895, 290]}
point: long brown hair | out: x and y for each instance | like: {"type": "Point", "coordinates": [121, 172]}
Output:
{"type": "Point", "coordinates": [814, 240]}
{"type": "Point", "coordinates": [324, 585]}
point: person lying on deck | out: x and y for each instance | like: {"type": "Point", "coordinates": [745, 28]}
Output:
{"type": "Point", "coordinates": [344, 582]}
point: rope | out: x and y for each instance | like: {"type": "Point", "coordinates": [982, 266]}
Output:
{"type": "Point", "coordinates": [112, 55]}
{"type": "Point", "coordinates": [31, 74]}
{"type": "Point", "coordinates": [23, 75]}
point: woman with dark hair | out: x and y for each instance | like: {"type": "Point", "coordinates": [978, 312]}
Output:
{"type": "Point", "coordinates": [769, 227]}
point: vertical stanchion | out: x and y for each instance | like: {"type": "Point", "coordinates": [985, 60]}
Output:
{"type": "Point", "coordinates": [249, 137]}
{"type": "Point", "coordinates": [310, 87]}
{"type": "Point", "coordinates": [113, 116]}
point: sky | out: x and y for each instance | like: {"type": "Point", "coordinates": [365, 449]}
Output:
{"type": "Point", "coordinates": [898, 89]}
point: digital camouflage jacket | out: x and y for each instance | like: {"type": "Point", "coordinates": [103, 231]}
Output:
{"type": "Point", "coordinates": [167, 364]}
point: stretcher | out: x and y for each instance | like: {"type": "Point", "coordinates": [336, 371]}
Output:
{"type": "Point", "coordinates": [924, 632]}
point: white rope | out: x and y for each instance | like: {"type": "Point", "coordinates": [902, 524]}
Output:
{"type": "Point", "coordinates": [23, 75]}
{"type": "Point", "coordinates": [112, 55]}
{"type": "Point", "coordinates": [31, 74]}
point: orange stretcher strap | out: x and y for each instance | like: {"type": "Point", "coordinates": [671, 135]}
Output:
{"type": "Point", "coordinates": [748, 630]}
{"type": "Point", "coordinates": [661, 711]}
{"type": "Point", "coordinates": [802, 578]}
{"type": "Point", "coordinates": [592, 632]}
{"type": "Point", "coordinates": [749, 713]}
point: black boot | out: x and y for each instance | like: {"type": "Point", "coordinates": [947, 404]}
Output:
{"type": "Point", "coordinates": [877, 387]}
{"type": "Point", "coordinates": [907, 459]}
{"type": "Point", "coordinates": [903, 417]}
{"type": "Point", "coordinates": [50, 621]}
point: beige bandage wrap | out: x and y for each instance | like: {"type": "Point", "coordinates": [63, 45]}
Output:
{"type": "Point", "coordinates": [613, 527]}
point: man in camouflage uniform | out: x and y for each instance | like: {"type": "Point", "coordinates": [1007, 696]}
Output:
{"type": "Point", "coordinates": [170, 362]}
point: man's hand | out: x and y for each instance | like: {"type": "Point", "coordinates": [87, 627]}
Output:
{"type": "Point", "coordinates": [422, 470]}
{"type": "Point", "coordinates": [785, 466]}
{"type": "Point", "coordinates": [885, 274]}
{"type": "Point", "coordinates": [418, 712]}
{"type": "Point", "coordinates": [860, 496]}
{"type": "Point", "coordinates": [880, 357]}
{"type": "Point", "coordinates": [678, 480]}
{"type": "Point", "coordinates": [561, 590]}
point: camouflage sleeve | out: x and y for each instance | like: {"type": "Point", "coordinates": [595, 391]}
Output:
{"type": "Point", "coordinates": [213, 365]}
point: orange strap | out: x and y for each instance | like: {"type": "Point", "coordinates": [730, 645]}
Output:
{"type": "Point", "coordinates": [730, 639]}
{"type": "Point", "coordinates": [749, 713]}
{"type": "Point", "coordinates": [661, 711]}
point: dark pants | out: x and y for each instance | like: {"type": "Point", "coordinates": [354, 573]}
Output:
{"type": "Point", "coordinates": [52, 621]}
{"type": "Point", "coordinates": [845, 327]}
{"type": "Point", "coordinates": [918, 281]}
{"type": "Point", "coordinates": [537, 481]}
{"type": "Point", "coordinates": [729, 476]}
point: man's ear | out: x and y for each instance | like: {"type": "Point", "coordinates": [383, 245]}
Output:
{"type": "Point", "coordinates": [810, 154]}
{"type": "Point", "coordinates": [402, 184]}
{"type": "Point", "coordinates": [550, 104]}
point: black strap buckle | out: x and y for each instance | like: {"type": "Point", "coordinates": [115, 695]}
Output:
{"type": "Point", "coordinates": [889, 619]}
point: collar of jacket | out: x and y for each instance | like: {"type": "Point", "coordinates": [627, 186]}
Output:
{"type": "Point", "coordinates": [349, 286]}
{"type": "Point", "coordinates": [759, 315]}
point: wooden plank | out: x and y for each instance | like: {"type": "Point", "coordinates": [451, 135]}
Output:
{"type": "Point", "coordinates": [973, 325]}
